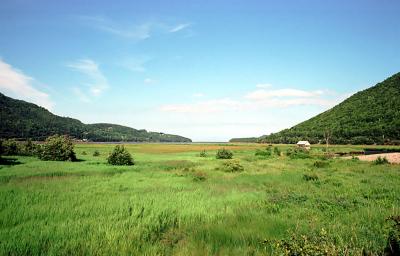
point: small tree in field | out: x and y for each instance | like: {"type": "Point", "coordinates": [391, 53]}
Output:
{"type": "Point", "coordinates": [120, 156]}
{"type": "Point", "coordinates": [57, 148]}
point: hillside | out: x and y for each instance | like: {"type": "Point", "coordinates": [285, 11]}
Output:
{"type": "Point", "coordinates": [368, 117]}
{"type": "Point", "coordinates": [20, 119]}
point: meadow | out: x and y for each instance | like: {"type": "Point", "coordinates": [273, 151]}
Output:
{"type": "Point", "coordinates": [174, 202]}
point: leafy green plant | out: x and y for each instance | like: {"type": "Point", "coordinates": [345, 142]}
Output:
{"type": "Point", "coordinates": [10, 147]}
{"type": "Point", "coordinates": [321, 164]}
{"type": "Point", "coordinates": [232, 166]}
{"type": "Point", "coordinates": [264, 153]}
{"type": "Point", "coordinates": [57, 148]}
{"type": "Point", "coordinates": [297, 153]}
{"type": "Point", "coordinates": [120, 156]}
{"type": "Point", "coordinates": [96, 153]}
{"type": "Point", "coordinates": [203, 153]}
{"type": "Point", "coordinates": [302, 245]}
{"type": "Point", "coordinates": [393, 240]}
{"type": "Point", "coordinates": [224, 154]}
{"type": "Point", "coordinates": [381, 160]}
{"type": "Point", "coordinates": [268, 152]}
{"type": "Point", "coordinates": [28, 148]}
{"type": "Point", "coordinates": [277, 151]}
{"type": "Point", "coordinates": [84, 153]}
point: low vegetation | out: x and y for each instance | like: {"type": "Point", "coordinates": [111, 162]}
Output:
{"type": "Point", "coordinates": [297, 153]}
{"type": "Point", "coordinates": [381, 160]}
{"type": "Point", "coordinates": [203, 153]}
{"type": "Point", "coordinates": [231, 166]}
{"type": "Point", "coordinates": [174, 202]}
{"type": "Point", "coordinates": [224, 154]}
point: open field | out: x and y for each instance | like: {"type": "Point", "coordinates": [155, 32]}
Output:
{"type": "Point", "coordinates": [174, 202]}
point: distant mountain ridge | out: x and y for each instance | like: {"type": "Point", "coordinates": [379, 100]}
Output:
{"type": "Point", "coordinates": [371, 116]}
{"type": "Point", "coordinates": [20, 119]}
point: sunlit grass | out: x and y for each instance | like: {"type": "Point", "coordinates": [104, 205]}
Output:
{"type": "Point", "coordinates": [161, 206]}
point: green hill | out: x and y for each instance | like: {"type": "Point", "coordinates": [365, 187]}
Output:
{"type": "Point", "coordinates": [22, 120]}
{"type": "Point", "coordinates": [368, 117]}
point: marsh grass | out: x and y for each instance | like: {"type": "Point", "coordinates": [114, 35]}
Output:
{"type": "Point", "coordinates": [172, 202]}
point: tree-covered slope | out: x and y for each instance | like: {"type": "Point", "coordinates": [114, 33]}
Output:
{"type": "Point", "coordinates": [20, 119]}
{"type": "Point", "coordinates": [367, 117]}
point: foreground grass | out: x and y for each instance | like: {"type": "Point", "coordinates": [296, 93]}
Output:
{"type": "Point", "coordinates": [175, 202]}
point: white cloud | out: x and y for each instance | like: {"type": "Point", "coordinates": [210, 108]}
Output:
{"type": "Point", "coordinates": [179, 27]}
{"type": "Point", "coordinates": [259, 100]}
{"type": "Point", "coordinates": [97, 81]}
{"type": "Point", "coordinates": [211, 106]}
{"type": "Point", "coordinates": [136, 32]}
{"type": "Point", "coordinates": [263, 94]}
{"type": "Point", "coordinates": [198, 95]}
{"type": "Point", "coordinates": [136, 64]}
{"type": "Point", "coordinates": [18, 85]}
{"type": "Point", "coordinates": [149, 81]}
{"type": "Point", "coordinates": [263, 86]}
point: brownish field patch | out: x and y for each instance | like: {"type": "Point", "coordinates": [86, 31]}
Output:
{"type": "Point", "coordinates": [393, 158]}
{"type": "Point", "coordinates": [180, 148]}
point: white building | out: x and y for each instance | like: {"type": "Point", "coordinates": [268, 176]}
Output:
{"type": "Point", "coordinates": [304, 144]}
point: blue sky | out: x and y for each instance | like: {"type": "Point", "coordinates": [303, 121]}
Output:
{"type": "Point", "coordinates": [208, 70]}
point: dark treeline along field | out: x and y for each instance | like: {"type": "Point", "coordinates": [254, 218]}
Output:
{"type": "Point", "coordinates": [371, 116]}
{"type": "Point", "coordinates": [23, 120]}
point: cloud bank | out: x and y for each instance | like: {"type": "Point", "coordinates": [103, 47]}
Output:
{"type": "Point", "coordinates": [258, 100]}
{"type": "Point", "coordinates": [16, 84]}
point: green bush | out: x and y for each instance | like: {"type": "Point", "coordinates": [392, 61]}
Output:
{"type": "Point", "coordinates": [96, 153]}
{"type": "Point", "coordinates": [57, 148]}
{"type": "Point", "coordinates": [224, 154]}
{"type": "Point", "coordinates": [120, 156]}
{"type": "Point", "coordinates": [277, 151]}
{"type": "Point", "coordinates": [10, 148]}
{"type": "Point", "coordinates": [84, 153]}
{"type": "Point", "coordinates": [28, 148]}
{"type": "Point", "coordinates": [302, 245]}
{"type": "Point", "coordinates": [320, 164]}
{"type": "Point", "coordinates": [268, 152]}
{"type": "Point", "coordinates": [203, 154]}
{"type": "Point", "coordinates": [381, 160]}
{"type": "Point", "coordinates": [264, 153]}
{"type": "Point", "coordinates": [232, 166]}
{"type": "Point", "coordinates": [393, 240]}
{"type": "Point", "coordinates": [297, 153]}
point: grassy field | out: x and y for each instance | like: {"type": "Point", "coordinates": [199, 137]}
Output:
{"type": "Point", "coordinates": [173, 202]}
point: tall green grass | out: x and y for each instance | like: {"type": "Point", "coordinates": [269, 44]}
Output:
{"type": "Point", "coordinates": [158, 207]}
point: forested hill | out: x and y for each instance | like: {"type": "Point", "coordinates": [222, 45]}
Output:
{"type": "Point", "coordinates": [368, 117]}
{"type": "Point", "coordinates": [22, 120]}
